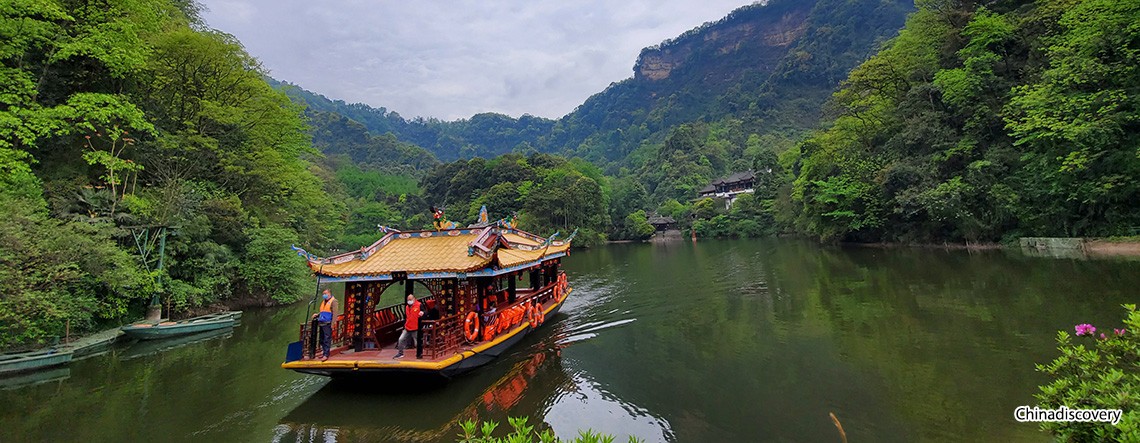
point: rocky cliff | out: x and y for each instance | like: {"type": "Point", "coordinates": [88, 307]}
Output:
{"type": "Point", "coordinates": [733, 36]}
{"type": "Point", "coordinates": [770, 65]}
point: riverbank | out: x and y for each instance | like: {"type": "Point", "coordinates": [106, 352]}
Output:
{"type": "Point", "coordinates": [1112, 248]}
{"type": "Point", "coordinates": [949, 246]}
{"type": "Point", "coordinates": [237, 304]}
{"type": "Point", "coordinates": [1091, 247]}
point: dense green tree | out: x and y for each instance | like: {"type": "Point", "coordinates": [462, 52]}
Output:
{"type": "Point", "coordinates": [54, 273]}
{"type": "Point", "coordinates": [636, 226]}
{"type": "Point", "coordinates": [133, 113]}
{"type": "Point", "coordinates": [1080, 123]}
{"type": "Point", "coordinates": [269, 267]}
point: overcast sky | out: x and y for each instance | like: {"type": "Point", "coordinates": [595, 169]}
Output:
{"type": "Point", "coordinates": [452, 59]}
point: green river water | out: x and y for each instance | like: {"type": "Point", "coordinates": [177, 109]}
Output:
{"type": "Point", "coordinates": [738, 341]}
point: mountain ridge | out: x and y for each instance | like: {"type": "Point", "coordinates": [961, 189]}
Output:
{"type": "Point", "coordinates": [737, 67]}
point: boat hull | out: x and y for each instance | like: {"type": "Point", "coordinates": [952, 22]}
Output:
{"type": "Point", "coordinates": [30, 361]}
{"type": "Point", "coordinates": [193, 326]}
{"type": "Point", "coordinates": [456, 365]}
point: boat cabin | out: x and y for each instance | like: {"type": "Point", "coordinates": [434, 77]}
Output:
{"type": "Point", "coordinates": [483, 289]}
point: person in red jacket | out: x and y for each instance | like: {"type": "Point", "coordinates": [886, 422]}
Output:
{"type": "Point", "coordinates": [412, 314]}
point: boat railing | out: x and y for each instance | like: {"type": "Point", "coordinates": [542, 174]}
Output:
{"type": "Point", "coordinates": [539, 296]}
{"type": "Point", "coordinates": [384, 323]}
{"type": "Point", "coordinates": [441, 336]}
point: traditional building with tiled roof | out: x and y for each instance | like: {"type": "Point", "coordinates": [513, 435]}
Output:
{"type": "Point", "coordinates": [728, 188]}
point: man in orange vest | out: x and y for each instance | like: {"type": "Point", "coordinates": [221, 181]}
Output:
{"type": "Point", "coordinates": [325, 319]}
{"type": "Point", "coordinates": [412, 314]}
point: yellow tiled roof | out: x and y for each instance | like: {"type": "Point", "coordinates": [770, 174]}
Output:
{"type": "Point", "coordinates": [515, 238]}
{"type": "Point", "coordinates": [439, 253]}
{"type": "Point", "coordinates": [436, 252]}
{"type": "Point", "coordinates": [512, 257]}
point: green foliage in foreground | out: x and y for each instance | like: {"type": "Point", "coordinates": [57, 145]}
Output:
{"type": "Point", "coordinates": [1097, 370]}
{"type": "Point", "coordinates": [523, 433]}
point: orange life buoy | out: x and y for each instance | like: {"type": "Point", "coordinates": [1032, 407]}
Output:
{"type": "Point", "coordinates": [471, 327]}
{"type": "Point", "coordinates": [540, 316]}
{"type": "Point", "coordinates": [531, 316]}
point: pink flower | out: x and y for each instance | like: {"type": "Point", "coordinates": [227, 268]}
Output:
{"type": "Point", "coordinates": [1102, 337]}
{"type": "Point", "coordinates": [1085, 329]}
{"type": "Point", "coordinates": [1118, 331]}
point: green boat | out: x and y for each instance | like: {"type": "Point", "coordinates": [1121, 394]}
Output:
{"type": "Point", "coordinates": [93, 344]}
{"type": "Point", "coordinates": [167, 329]}
{"type": "Point", "coordinates": [28, 361]}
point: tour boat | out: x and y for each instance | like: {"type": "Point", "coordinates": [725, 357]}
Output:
{"type": "Point", "coordinates": [491, 285]}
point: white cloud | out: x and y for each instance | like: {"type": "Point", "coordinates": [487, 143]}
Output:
{"type": "Point", "coordinates": [452, 59]}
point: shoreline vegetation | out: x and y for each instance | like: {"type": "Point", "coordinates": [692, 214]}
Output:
{"type": "Point", "coordinates": [1093, 247]}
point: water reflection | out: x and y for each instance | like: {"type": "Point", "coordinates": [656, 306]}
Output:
{"type": "Point", "coordinates": [414, 413]}
{"type": "Point", "coordinates": [23, 380]}
{"type": "Point", "coordinates": [143, 348]}
{"type": "Point", "coordinates": [714, 341]}
{"type": "Point", "coordinates": [588, 402]}
{"type": "Point", "coordinates": [533, 381]}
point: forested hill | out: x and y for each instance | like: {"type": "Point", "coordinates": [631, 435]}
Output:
{"type": "Point", "coordinates": [771, 66]}
{"type": "Point", "coordinates": [483, 135]}
{"type": "Point", "coordinates": [1015, 118]}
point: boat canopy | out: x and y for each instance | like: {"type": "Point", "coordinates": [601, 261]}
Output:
{"type": "Point", "coordinates": [448, 253]}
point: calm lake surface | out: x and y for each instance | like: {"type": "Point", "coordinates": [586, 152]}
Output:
{"type": "Point", "coordinates": [715, 341]}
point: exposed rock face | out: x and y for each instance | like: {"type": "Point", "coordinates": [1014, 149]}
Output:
{"type": "Point", "coordinates": [657, 66]}
{"type": "Point", "coordinates": [728, 37]}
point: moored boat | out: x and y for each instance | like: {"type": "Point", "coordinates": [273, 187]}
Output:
{"type": "Point", "coordinates": [93, 344]}
{"type": "Point", "coordinates": [150, 331]}
{"type": "Point", "coordinates": [490, 286]}
{"type": "Point", "coordinates": [33, 360]}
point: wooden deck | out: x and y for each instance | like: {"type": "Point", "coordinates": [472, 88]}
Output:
{"type": "Point", "coordinates": [385, 355]}
{"type": "Point", "coordinates": [343, 358]}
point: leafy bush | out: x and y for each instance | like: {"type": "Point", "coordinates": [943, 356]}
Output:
{"type": "Point", "coordinates": [1096, 371]}
{"type": "Point", "coordinates": [636, 226]}
{"type": "Point", "coordinates": [270, 267]}
{"type": "Point", "coordinates": [54, 272]}
{"type": "Point", "coordinates": [523, 433]}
